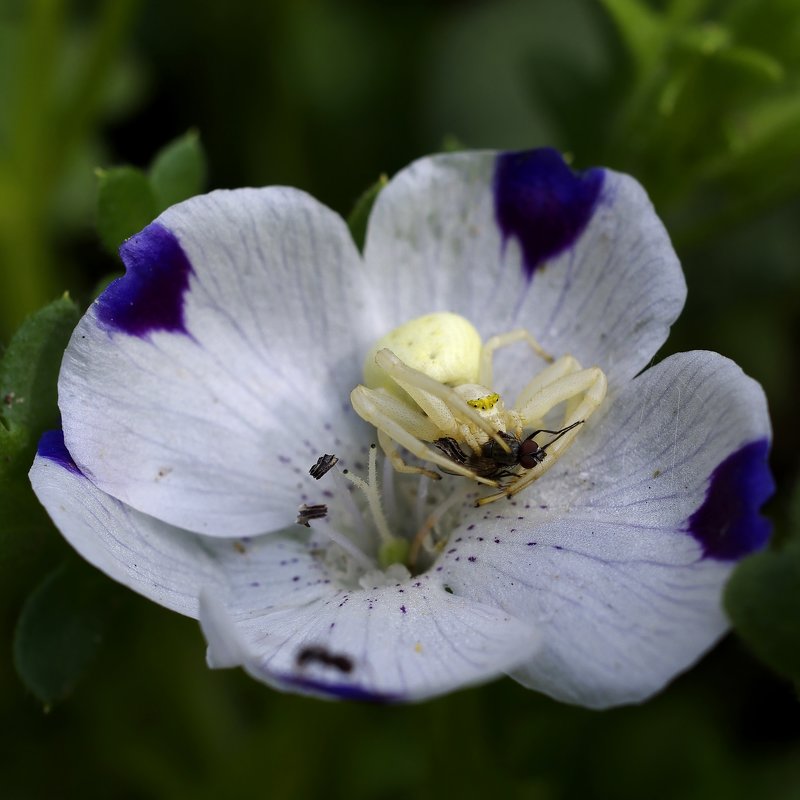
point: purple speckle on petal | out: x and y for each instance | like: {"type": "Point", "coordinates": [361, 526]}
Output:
{"type": "Point", "coordinates": [542, 202]}
{"type": "Point", "coordinates": [728, 524]}
{"type": "Point", "coordinates": [52, 447]}
{"type": "Point", "coordinates": [149, 297]}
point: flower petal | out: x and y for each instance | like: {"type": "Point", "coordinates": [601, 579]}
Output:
{"type": "Point", "coordinates": [519, 240]}
{"type": "Point", "coordinates": [163, 563]}
{"type": "Point", "coordinates": [619, 554]}
{"type": "Point", "coordinates": [270, 605]}
{"type": "Point", "coordinates": [200, 387]}
{"type": "Point", "coordinates": [297, 631]}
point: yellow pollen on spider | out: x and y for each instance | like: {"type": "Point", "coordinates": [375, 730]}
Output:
{"type": "Point", "coordinates": [484, 403]}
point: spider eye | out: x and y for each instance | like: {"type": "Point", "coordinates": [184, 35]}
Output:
{"type": "Point", "coordinates": [530, 454]}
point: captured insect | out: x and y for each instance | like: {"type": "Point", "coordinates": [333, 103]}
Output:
{"type": "Point", "coordinates": [429, 382]}
{"type": "Point", "coordinates": [497, 462]}
{"type": "Point", "coordinates": [316, 654]}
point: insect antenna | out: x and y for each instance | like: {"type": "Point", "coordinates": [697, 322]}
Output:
{"type": "Point", "coordinates": [558, 434]}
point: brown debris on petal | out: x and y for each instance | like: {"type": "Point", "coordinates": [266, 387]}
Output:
{"type": "Point", "coordinates": [316, 654]}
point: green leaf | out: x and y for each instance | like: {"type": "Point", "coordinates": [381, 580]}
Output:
{"type": "Point", "coordinates": [359, 216]}
{"type": "Point", "coordinates": [705, 39]}
{"type": "Point", "coordinates": [763, 601]}
{"type": "Point", "coordinates": [28, 376]}
{"type": "Point", "coordinates": [644, 32]}
{"type": "Point", "coordinates": [61, 629]}
{"type": "Point", "coordinates": [683, 11]}
{"type": "Point", "coordinates": [768, 122]}
{"type": "Point", "coordinates": [755, 61]}
{"type": "Point", "coordinates": [178, 171]}
{"type": "Point", "coordinates": [452, 144]}
{"type": "Point", "coordinates": [126, 203]}
{"type": "Point", "coordinates": [27, 540]}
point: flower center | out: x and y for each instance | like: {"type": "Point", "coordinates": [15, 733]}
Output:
{"type": "Point", "coordinates": [428, 392]}
{"type": "Point", "coordinates": [383, 528]}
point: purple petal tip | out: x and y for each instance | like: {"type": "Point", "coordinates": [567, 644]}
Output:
{"type": "Point", "coordinates": [52, 447]}
{"type": "Point", "coordinates": [543, 203]}
{"type": "Point", "coordinates": [729, 524]}
{"type": "Point", "coordinates": [149, 297]}
{"type": "Point", "coordinates": [338, 691]}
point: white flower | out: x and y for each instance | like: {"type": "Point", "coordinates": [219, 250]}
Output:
{"type": "Point", "coordinates": [199, 389]}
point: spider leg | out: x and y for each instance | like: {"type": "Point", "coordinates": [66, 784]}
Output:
{"type": "Point", "coordinates": [393, 454]}
{"type": "Point", "coordinates": [409, 428]}
{"type": "Point", "coordinates": [496, 342]}
{"type": "Point", "coordinates": [443, 405]}
{"type": "Point", "coordinates": [566, 365]}
{"type": "Point", "coordinates": [588, 384]}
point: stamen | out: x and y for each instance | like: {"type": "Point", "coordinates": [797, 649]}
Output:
{"type": "Point", "coordinates": [308, 512]}
{"type": "Point", "coordinates": [352, 510]}
{"type": "Point", "coordinates": [372, 493]}
{"type": "Point", "coordinates": [324, 463]}
{"type": "Point", "coordinates": [389, 496]}
{"type": "Point", "coordinates": [422, 499]}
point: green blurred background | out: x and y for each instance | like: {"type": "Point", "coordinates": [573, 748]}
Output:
{"type": "Point", "coordinates": [699, 100]}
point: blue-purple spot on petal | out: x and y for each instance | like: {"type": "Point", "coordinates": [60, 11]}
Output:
{"type": "Point", "coordinates": [149, 297]}
{"type": "Point", "coordinates": [339, 691]}
{"type": "Point", "coordinates": [541, 202]}
{"type": "Point", "coordinates": [52, 447]}
{"type": "Point", "coordinates": [728, 524]}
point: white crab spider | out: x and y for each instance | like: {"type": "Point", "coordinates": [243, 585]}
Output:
{"type": "Point", "coordinates": [430, 380]}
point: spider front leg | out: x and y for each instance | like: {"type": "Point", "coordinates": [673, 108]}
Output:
{"type": "Point", "coordinates": [391, 451]}
{"type": "Point", "coordinates": [566, 365]}
{"type": "Point", "coordinates": [583, 390]}
{"type": "Point", "coordinates": [586, 386]}
{"type": "Point", "coordinates": [409, 428]}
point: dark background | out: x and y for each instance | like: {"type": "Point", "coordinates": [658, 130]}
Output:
{"type": "Point", "coordinates": [701, 103]}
